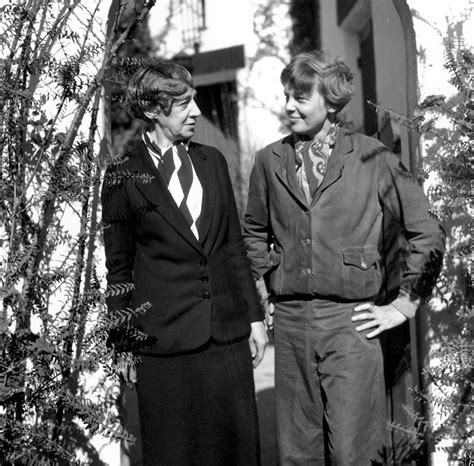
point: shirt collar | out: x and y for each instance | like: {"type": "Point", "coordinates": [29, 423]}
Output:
{"type": "Point", "coordinates": [155, 149]}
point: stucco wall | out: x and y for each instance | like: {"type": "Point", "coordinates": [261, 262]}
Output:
{"type": "Point", "coordinates": [390, 60]}
{"type": "Point", "coordinates": [388, 51]}
{"type": "Point", "coordinates": [339, 41]}
{"type": "Point", "coordinates": [435, 27]}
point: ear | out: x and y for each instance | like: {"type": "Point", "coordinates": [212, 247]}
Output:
{"type": "Point", "coordinates": [153, 113]}
{"type": "Point", "coordinates": [331, 114]}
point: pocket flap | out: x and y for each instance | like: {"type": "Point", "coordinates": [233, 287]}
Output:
{"type": "Point", "coordinates": [363, 258]}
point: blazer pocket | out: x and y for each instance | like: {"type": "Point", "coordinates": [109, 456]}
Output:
{"type": "Point", "coordinates": [361, 272]}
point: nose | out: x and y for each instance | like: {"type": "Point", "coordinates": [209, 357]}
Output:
{"type": "Point", "coordinates": [195, 112]}
{"type": "Point", "coordinates": [290, 105]}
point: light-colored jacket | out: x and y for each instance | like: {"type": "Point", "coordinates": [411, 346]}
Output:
{"type": "Point", "coordinates": [338, 247]}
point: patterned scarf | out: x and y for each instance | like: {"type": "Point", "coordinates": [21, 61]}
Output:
{"type": "Point", "coordinates": [312, 159]}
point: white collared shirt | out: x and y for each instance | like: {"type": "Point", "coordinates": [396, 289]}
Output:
{"type": "Point", "coordinates": [194, 201]}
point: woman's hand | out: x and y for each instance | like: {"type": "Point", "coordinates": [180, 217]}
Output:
{"type": "Point", "coordinates": [269, 311]}
{"type": "Point", "coordinates": [258, 341]}
{"type": "Point", "coordinates": [380, 318]}
{"type": "Point", "coordinates": [126, 369]}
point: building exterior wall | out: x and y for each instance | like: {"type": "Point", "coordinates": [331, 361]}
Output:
{"type": "Point", "coordinates": [343, 39]}
{"type": "Point", "coordinates": [339, 40]}
{"type": "Point", "coordinates": [390, 58]}
{"type": "Point", "coordinates": [448, 23]}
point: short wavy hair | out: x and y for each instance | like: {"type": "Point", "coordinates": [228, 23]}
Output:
{"type": "Point", "coordinates": [332, 76]}
{"type": "Point", "coordinates": [158, 84]}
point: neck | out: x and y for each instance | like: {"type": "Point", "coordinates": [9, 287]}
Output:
{"type": "Point", "coordinates": [320, 133]}
{"type": "Point", "coordinates": [159, 137]}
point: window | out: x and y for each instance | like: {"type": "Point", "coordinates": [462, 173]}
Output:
{"type": "Point", "coordinates": [193, 21]}
{"type": "Point", "coordinates": [218, 103]}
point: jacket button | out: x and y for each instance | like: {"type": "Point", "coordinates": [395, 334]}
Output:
{"type": "Point", "coordinates": [202, 262]}
{"type": "Point", "coordinates": [206, 296]}
{"type": "Point", "coordinates": [204, 278]}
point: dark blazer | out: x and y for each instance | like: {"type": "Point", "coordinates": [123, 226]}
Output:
{"type": "Point", "coordinates": [197, 289]}
{"type": "Point", "coordinates": [336, 246]}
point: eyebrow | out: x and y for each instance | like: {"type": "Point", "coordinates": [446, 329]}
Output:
{"type": "Point", "coordinates": [183, 100]}
{"type": "Point", "coordinates": [302, 95]}
{"type": "Point", "coordinates": [296, 93]}
{"type": "Point", "coordinates": [186, 98]}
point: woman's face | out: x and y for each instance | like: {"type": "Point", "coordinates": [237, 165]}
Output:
{"type": "Point", "coordinates": [180, 123]}
{"type": "Point", "coordinates": [308, 113]}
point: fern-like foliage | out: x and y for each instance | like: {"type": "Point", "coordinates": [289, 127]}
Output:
{"type": "Point", "coordinates": [119, 318]}
{"type": "Point", "coordinates": [57, 376]}
{"type": "Point", "coordinates": [448, 159]}
{"type": "Point", "coordinates": [119, 177]}
{"type": "Point", "coordinates": [97, 420]}
{"type": "Point", "coordinates": [118, 289]}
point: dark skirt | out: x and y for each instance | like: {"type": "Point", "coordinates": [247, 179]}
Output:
{"type": "Point", "coordinates": [198, 407]}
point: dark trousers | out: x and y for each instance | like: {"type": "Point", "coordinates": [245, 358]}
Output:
{"type": "Point", "coordinates": [330, 395]}
{"type": "Point", "coordinates": [198, 408]}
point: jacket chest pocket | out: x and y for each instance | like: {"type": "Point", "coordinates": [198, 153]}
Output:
{"type": "Point", "coordinates": [361, 273]}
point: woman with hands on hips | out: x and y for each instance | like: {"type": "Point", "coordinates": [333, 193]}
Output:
{"type": "Point", "coordinates": [315, 235]}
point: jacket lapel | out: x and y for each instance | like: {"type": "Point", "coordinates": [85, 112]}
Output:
{"type": "Point", "coordinates": [286, 169]}
{"type": "Point", "coordinates": [157, 195]}
{"type": "Point", "coordinates": [336, 161]}
{"type": "Point", "coordinates": [201, 166]}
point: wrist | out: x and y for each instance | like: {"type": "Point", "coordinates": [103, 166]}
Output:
{"type": "Point", "coordinates": [407, 303]}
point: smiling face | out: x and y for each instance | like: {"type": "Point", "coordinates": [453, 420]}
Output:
{"type": "Point", "coordinates": [179, 125]}
{"type": "Point", "coordinates": [308, 113]}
